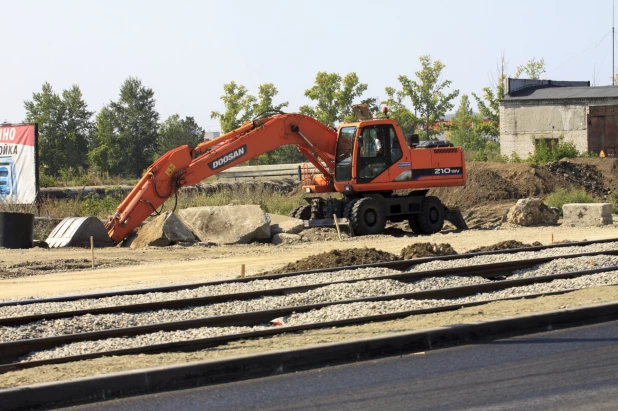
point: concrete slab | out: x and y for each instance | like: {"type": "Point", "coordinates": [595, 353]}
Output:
{"type": "Point", "coordinates": [76, 232]}
{"type": "Point", "coordinates": [587, 215]}
{"type": "Point", "coordinates": [284, 224]}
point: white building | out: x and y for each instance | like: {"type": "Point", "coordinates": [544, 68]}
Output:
{"type": "Point", "coordinates": [548, 109]}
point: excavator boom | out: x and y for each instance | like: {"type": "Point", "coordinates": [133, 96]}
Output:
{"type": "Point", "coordinates": [185, 166]}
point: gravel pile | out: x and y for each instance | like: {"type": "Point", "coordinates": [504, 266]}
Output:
{"type": "Point", "coordinates": [526, 255]}
{"type": "Point", "coordinates": [563, 265]}
{"type": "Point", "coordinates": [331, 313]}
{"type": "Point", "coordinates": [231, 288]}
{"type": "Point", "coordinates": [334, 292]}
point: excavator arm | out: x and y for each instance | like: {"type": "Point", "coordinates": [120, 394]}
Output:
{"type": "Point", "coordinates": [186, 166]}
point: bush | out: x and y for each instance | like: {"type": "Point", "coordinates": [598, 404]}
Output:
{"type": "Point", "coordinates": [563, 196]}
{"type": "Point", "coordinates": [544, 154]}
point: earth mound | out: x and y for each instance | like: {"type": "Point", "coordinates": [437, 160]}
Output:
{"type": "Point", "coordinates": [338, 258]}
{"type": "Point", "coordinates": [504, 245]}
{"type": "Point", "coordinates": [420, 250]}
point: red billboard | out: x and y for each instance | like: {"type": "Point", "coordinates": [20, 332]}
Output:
{"type": "Point", "coordinates": [18, 163]}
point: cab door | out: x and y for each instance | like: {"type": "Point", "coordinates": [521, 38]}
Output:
{"type": "Point", "coordinates": [375, 153]}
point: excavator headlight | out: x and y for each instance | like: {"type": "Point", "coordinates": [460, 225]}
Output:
{"type": "Point", "coordinates": [348, 188]}
{"type": "Point", "coordinates": [307, 189]}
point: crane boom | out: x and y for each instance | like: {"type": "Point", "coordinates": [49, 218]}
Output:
{"type": "Point", "coordinates": [186, 166]}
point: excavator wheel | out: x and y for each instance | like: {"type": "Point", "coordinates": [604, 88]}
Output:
{"type": "Point", "coordinates": [413, 224]}
{"type": "Point", "coordinates": [302, 212]}
{"type": "Point", "coordinates": [431, 218]}
{"type": "Point", "coordinates": [347, 210]}
{"type": "Point", "coordinates": [367, 216]}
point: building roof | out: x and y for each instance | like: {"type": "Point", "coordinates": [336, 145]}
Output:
{"type": "Point", "coordinates": [563, 93]}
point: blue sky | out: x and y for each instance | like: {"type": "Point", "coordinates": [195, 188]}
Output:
{"type": "Point", "coordinates": [186, 50]}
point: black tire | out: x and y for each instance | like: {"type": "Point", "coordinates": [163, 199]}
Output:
{"type": "Point", "coordinates": [431, 218]}
{"type": "Point", "coordinates": [367, 217]}
{"type": "Point", "coordinates": [413, 224]}
{"type": "Point", "coordinates": [302, 212]}
{"type": "Point", "coordinates": [347, 210]}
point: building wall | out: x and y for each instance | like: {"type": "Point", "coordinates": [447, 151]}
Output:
{"type": "Point", "coordinates": [520, 121]}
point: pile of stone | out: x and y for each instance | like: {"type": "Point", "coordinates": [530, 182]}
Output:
{"type": "Point", "coordinates": [218, 225]}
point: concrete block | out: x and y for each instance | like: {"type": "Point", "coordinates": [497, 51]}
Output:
{"type": "Point", "coordinates": [284, 224]}
{"type": "Point", "coordinates": [587, 215]}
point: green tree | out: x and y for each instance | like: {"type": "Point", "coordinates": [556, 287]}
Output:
{"type": "Point", "coordinates": [463, 129]}
{"type": "Point", "coordinates": [399, 112]}
{"type": "Point", "coordinates": [175, 132]}
{"type": "Point", "coordinates": [489, 104]}
{"type": "Point", "coordinates": [127, 131]}
{"type": "Point", "coordinates": [428, 92]}
{"type": "Point", "coordinates": [532, 69]}
{"type": "Point", "coordinates": [266, 94]}
{"type": "Point", "coordinates": [238, 107]}
{"type": "Point", "coordinates": [65, 128]}
{"type": "Point", "coordinates": [334, 97]}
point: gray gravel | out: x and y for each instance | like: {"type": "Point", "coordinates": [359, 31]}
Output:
{"type": "Point", "coordinates": [563, 265]}
{"type": "Point", "coordinates": [335, 292]}
{"type": "Point", "coordinates": [330, 313]}
{"type": "Point", "coordinates": [205, 291]}
{"type": "Point", "coordinates": [298, 280]}
{"type": "Point", "coordinates": [526, 255]}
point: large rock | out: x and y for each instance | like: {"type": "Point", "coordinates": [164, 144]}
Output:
{"type": "Point", "coordinates": [164, 230]}
{"type": "Point", "coordinates": [531, 211]}
{"type": "Point", "coordinates": [284, 224]}
{"type": "Point", "coordinates": [227, 224]}
{"type": "Point", "coordinates": [587, 215]}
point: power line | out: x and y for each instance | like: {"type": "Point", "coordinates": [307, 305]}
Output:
{"type": "Point", "coordinates": [583, 51]}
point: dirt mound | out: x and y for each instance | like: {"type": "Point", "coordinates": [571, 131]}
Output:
{"type": "Point", "coordinates": [503, 184]}
{"type": "Point", "coordinates": [505, 245]}
{"type": "Point", "coordinates": [338, 258]}
{"type": "Point", "coordinates": [420, 250]}
{"type": "Point", "coordinates": [30, 268]}
{"type": "Point", "coordinates": [583, 176]}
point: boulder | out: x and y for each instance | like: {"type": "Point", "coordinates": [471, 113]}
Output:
{"type": "Point", "coordinates": [587, 215]}
{"type": "Point", "coordinates": [239, 224]}
{"type": "Point", "coordinates": [532, 211]}
{"type": "Point", "coordinates": [164, 230]}
{"type": "Point", "coordinates": [284, 224]}
{"type": "Point", "coordinates": [283, 238]}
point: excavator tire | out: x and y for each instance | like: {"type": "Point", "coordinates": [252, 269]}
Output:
{"type": "Point", "coordinates": [347, 210]}
{"type": "Point", "coordinates": [431, 218]}
{"type": "Point", "coordinates": [413, 224]}
{"type": "Point", "coordinates": [302, 212]}
{"type": "Point", "coordinates": [367, 216]}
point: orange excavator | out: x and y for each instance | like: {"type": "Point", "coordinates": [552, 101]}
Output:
{"type": "Point", "coordinates": [366, 161]}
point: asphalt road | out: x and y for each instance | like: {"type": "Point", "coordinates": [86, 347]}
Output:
{"type": "Point", "coordinates": [574, 369]}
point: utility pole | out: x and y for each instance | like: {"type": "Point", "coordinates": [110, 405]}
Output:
{"type": "Point", "coordinates": [613, 46]}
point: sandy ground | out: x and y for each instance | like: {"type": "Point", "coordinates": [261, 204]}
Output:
{"type": "Point", "coordinates": [495, 310]}
{"type": "Point", "coordinates": [177, 265]}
